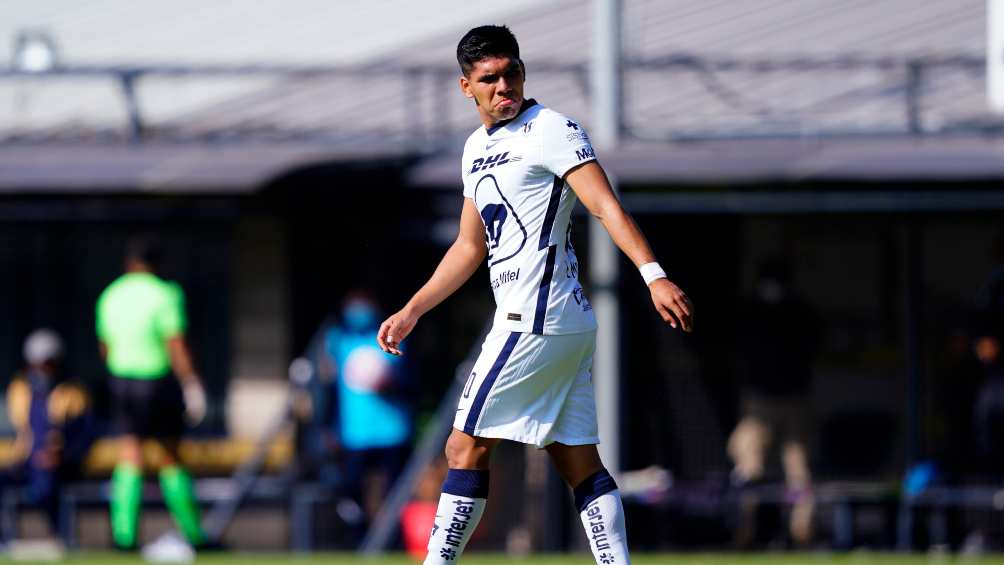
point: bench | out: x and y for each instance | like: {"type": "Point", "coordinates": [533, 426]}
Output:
{"type": "Point", "coordinates": [298, 499]}
{"type": "Point", "coordinates": [937, 500]}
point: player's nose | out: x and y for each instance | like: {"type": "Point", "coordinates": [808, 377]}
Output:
{"type": "Point", "coordinates": [504, 86]}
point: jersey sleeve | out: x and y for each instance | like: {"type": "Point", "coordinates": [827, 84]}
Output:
{"type": "Point", "coordinates": [468, 189]}
{"type": "Point", "coordinates": [465, 175]}
{"type": "Point", "coordinates": [170, 318]}
{"type": "Point", "coordinates": [564, 144]}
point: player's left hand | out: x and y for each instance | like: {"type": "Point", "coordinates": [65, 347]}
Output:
{"type": "Point", "coordinates": [394, 330]}
{"type": "Point", "coordinates": [672, 304]}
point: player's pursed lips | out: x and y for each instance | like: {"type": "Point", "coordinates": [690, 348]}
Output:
{"type": "Point", "coordinates": [508, 105]}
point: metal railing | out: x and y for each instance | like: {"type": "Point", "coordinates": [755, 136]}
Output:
{"type": "Point", "coordinates": [680, 96]}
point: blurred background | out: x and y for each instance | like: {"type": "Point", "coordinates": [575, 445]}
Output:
{"type": "Point", "coordinates": [822, 178]}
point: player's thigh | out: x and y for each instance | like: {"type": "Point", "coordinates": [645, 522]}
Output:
{"type": "Point", "coordinates": [500, 356]}
{"type": "Point", "coordinates": [519, 388]}
{"type": "Point", "coordinates": [464, 451]}
{"type": "Point", "coordinates": [575, 463]}
{"type": "Point", "coordinates": [576, 423]}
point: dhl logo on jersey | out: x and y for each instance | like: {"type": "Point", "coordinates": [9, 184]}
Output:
{"type": "Point", "coordinates": [484, 163]}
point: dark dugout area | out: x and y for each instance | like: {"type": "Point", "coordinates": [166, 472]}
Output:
{"type": "Point", "coordinates": [361, 227]}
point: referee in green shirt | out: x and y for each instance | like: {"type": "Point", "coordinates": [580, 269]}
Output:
{"type": "Point", "coordinates": [141, 332]}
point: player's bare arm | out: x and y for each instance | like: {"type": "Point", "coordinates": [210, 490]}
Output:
{"type": "Point", "coordinates": [191, 384]}
{"type": "Point", "coordinates": [181, 360]}
{"type": "Point", "coordinates": [590, 184]}
{"type": "Point", "coordinates": [458, 264]}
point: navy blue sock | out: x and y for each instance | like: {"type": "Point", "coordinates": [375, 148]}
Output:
{"type": "Point", "coordinates": [595, 486]}
{"type": "Point", "coordinates": [471, 483]}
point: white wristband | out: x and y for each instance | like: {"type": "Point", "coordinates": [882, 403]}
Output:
{"type": "Point", "coordinates": [651, 272]}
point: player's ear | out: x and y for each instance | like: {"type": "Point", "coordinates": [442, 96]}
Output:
{"type": "Point", "coordinates": [465, 86]}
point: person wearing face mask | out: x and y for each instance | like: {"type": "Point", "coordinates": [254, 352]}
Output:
{"type": "Point", "coordinates": [52, 416]}
{"type": "Point", "coordinates": [778, 339]}
{"type": "Point", "coordinates": [370, 416]}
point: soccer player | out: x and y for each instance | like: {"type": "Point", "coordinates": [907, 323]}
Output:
{"type": "Point", "coordinates": [522, 173]}
{"type": "Point", "coordinates": [141, 332]}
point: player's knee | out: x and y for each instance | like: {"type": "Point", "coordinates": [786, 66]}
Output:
{"type": "Point", "coordinates": [131, 450]}
{"type": "Point", "coordinates": [458, 452]}
{"type": "Point", "coordinates": [462, 452]}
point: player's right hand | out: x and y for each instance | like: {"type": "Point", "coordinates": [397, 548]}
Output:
{"type": "Point", "coordinates": [195, 401]}
{"type": "Point", "coordinates": [394, 330]}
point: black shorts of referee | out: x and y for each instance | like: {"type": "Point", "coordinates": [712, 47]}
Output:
{"type": "Point", "coordinates": [152, 408]}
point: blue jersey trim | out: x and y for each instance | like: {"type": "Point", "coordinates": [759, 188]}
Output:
{"type": "Point", "coordinates": [552, 212]}
{"type": "Point", "coordinates": [527, 104]}
{"type": "Point", "coordinates": [544, 291]}
{"type": "Point", "coordinates": [486, 386]}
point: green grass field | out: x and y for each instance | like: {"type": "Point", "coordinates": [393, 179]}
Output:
{"type": "Point", "coordinates": [854, 558]}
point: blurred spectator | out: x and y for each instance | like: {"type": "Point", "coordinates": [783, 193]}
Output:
{"type": "Point", "coordinates": [950, 446]}
{"type": "Point", "coordinates": [958, 377]}
{"type": "Point", "coordinates": [989, 411]}
{"type": "Point", "coordinates": [987, 343]}
{"type": "Point", "coordinates": [987, 421]}
{"type": "Point", "coordinates": [369, 410]}
{"type": "Point", "coordinates": [779, 337]}
{"type": "Point", "coordinates": [52, 415]}
{"type": "Point", "coordinates": [141, 331]}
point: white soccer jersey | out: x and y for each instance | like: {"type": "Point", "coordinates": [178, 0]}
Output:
{"type": "Point", "coordinates": [514, 173]}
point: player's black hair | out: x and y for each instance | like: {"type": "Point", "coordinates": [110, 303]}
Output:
{"type": "Point", "coordinates": [486, 41]}
{"type": "Point", "coordinates": [146, 248]}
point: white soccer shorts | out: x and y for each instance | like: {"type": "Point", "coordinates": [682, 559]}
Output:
{"type": "Point", "coordinates": [530, 388]}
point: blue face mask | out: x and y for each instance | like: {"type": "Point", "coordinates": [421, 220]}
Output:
{"type": "Point", "coordinates": [359, 316]}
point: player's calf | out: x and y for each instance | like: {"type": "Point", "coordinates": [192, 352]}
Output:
{"type": "Point", "coordinates": [602, 514]}
{"type": "Point", "coordinates": [465, 493]}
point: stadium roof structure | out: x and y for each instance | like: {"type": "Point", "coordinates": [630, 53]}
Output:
{"type": "Point", "coordinates": [712, 91]}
